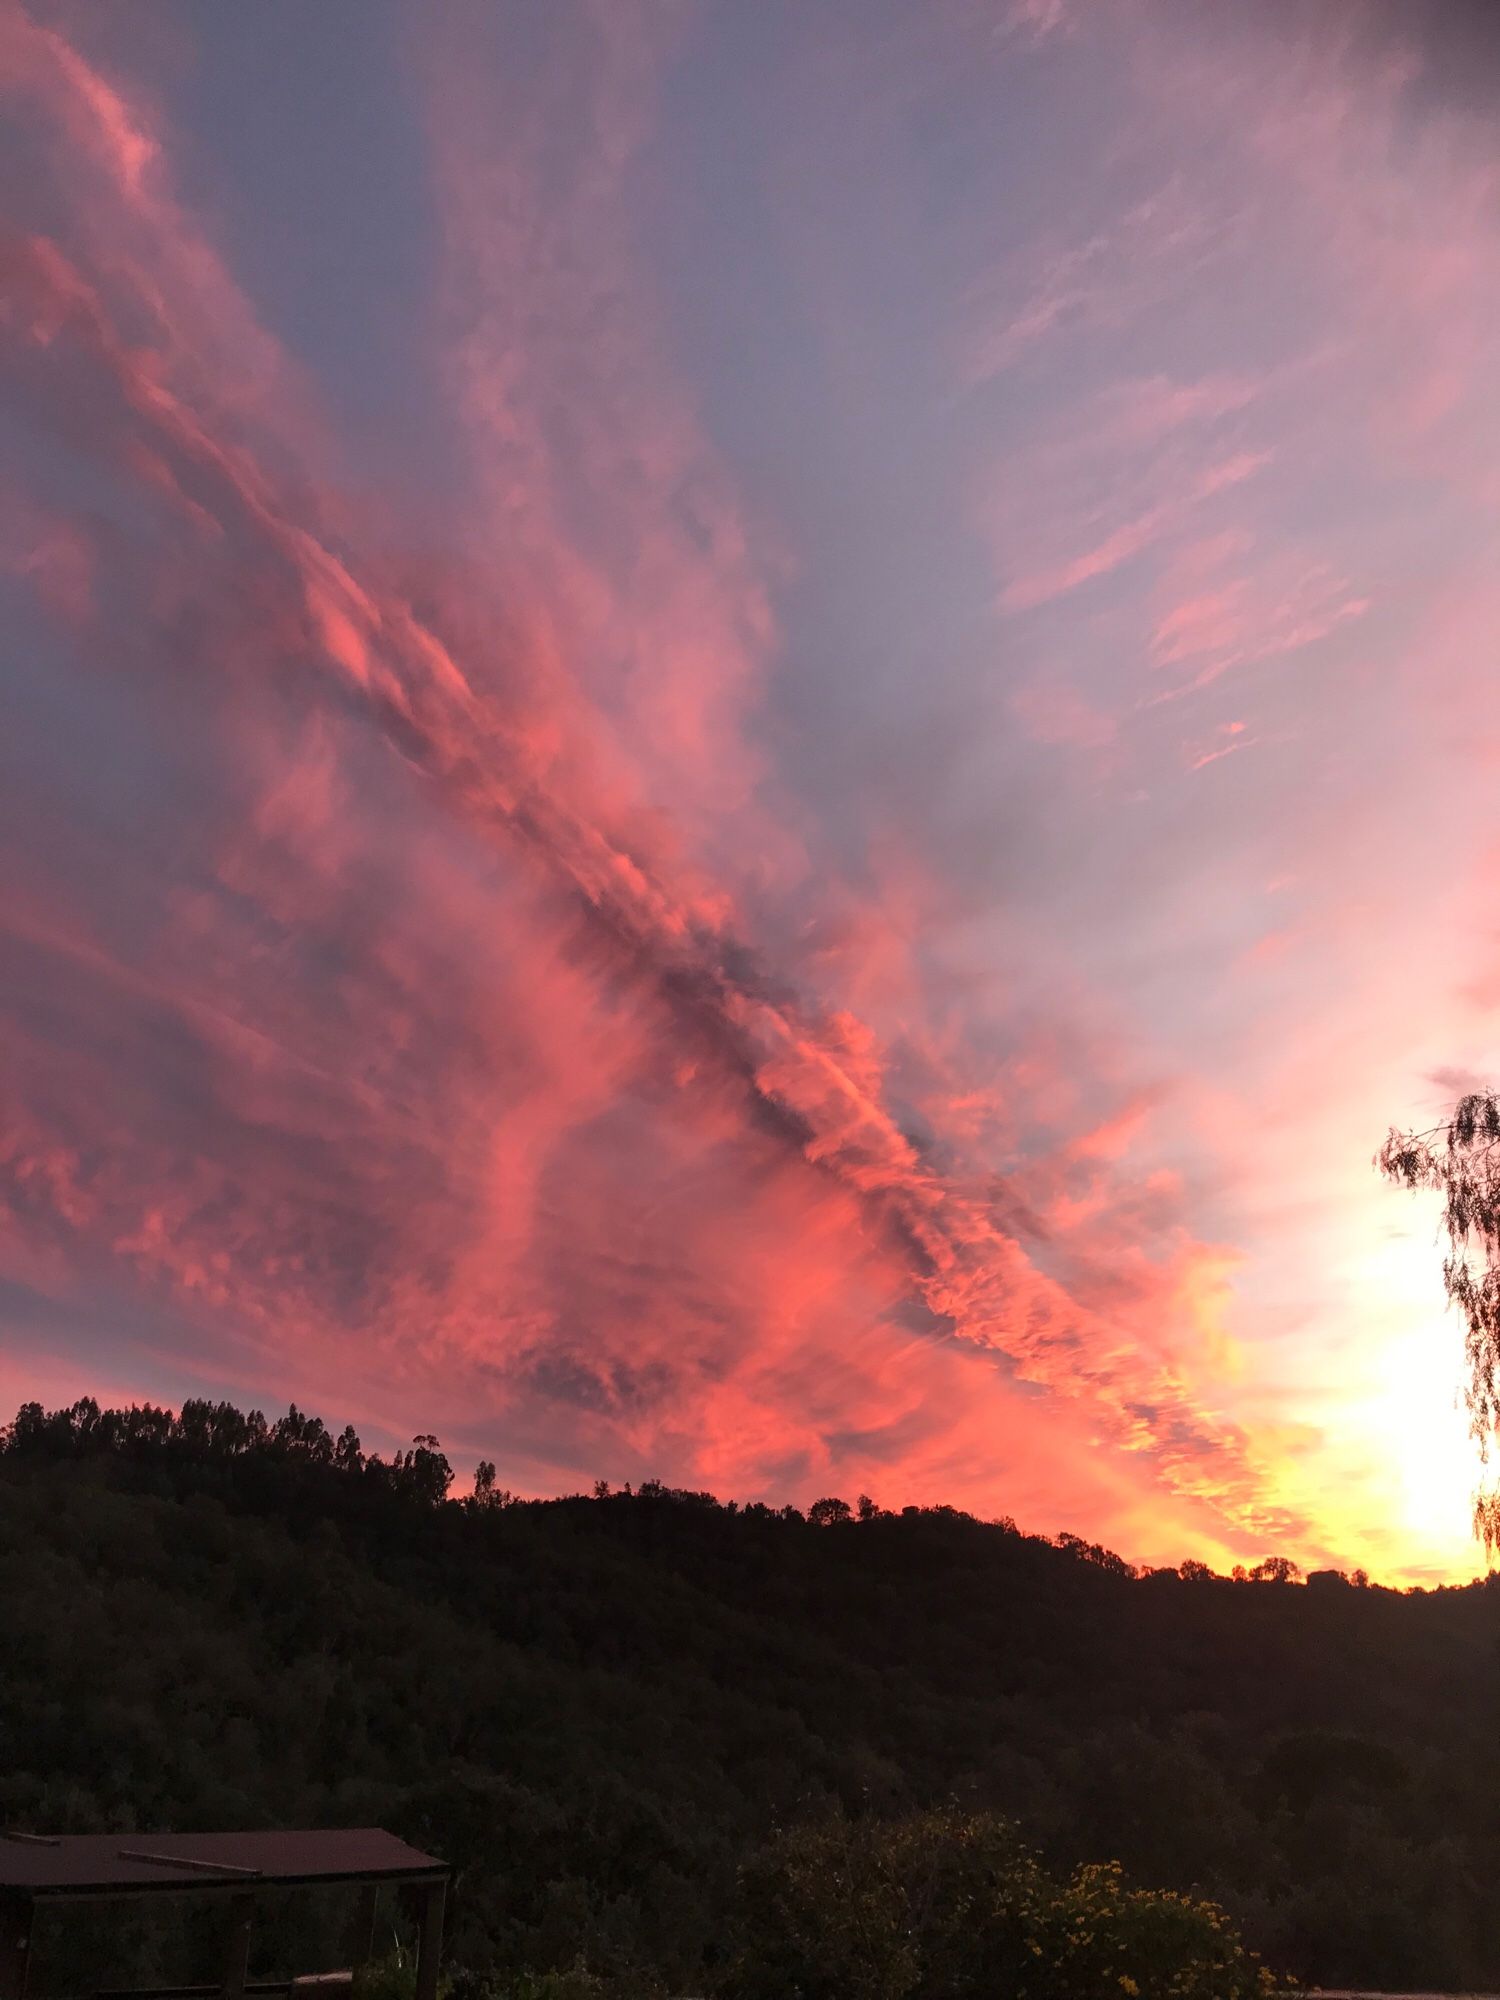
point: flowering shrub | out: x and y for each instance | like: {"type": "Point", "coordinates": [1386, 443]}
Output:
{"type": "Point", "coordinates": [950, 1905]}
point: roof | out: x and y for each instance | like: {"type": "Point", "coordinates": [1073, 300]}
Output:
{"type": "Point", "coordinates": [95, 1864]}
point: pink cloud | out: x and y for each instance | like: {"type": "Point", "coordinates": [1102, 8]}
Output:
{"type": "Point", "coordinates": [1135, 471]}
{"type": "Point", "coordinates": [1228, 740]}
{"type": "Point", "coordinates": [1057, 714]}
{"type": "Point", "coordinates": [789, 1182]}
{"type": "Point", "coordinates": [492, 1027]}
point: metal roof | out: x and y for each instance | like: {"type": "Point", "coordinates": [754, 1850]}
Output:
{"type": "Point", "coordinates": [102, 1864]}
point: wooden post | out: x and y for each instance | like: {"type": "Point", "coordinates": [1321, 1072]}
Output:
{"type": "Point", "coordinates": [362, 1927]}
{"type": "Point", "coordinates": [430, 1940]}
{"type": "Point", "coordinates": [237, 1961]}
{"type": "Point", "coordinates": [15, 1947]}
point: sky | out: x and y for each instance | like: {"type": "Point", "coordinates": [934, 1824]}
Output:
{"type": "Point", "coordinates": [757, 744]}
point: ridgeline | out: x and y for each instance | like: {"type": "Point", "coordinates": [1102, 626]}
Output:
{"type": "Point", "coordinates": [599, 1707]}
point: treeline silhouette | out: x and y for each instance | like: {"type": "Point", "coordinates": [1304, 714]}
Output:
{"type": "Point", "coordinates": [599, 1708]}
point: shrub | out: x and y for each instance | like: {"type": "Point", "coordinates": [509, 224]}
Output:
{"type": "Point", "coordinates": [950, 1905]}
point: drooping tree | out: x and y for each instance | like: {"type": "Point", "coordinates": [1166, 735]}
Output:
{"type": "Point", "coordinates": [1461, 1160]}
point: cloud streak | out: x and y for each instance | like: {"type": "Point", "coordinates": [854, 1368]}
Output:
{"type": "Point", "coordinates": [439, 972]}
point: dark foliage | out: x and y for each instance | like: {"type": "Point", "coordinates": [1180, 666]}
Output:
{"type": "Point", "coordinates": [599, 1709]}
{"type": "Point", "coordinates": [949, 1905]}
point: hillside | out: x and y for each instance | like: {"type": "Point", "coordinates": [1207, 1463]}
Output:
{"type": "Point", "coordinates": [596, 1707]}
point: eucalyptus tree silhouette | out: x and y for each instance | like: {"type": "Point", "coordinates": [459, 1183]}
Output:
{"type": "Point", "coordinates": [1461, 1160]}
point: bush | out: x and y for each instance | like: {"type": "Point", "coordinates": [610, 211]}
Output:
{"type": "Point", "coordinates": [950, 1905]}
{"type": "Point", "coordinates": [395, 1979]}
{"type": "Point", "coordinates": [391, 1978]}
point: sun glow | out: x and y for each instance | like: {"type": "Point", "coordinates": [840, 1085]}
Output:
{"type": "Point", "coordinates": [1434, 1460]}
{"type": "Point", "coordinates": [1414, 1419]}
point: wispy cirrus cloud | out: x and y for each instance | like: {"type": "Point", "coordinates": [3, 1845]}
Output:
{"type": "Point", "coordinates": [736, 967]}
{"type": "Point", "coordinates": [505, 1102]}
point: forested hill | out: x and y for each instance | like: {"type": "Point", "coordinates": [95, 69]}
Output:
{"type": "Point", "coordinates": [594, 1707]}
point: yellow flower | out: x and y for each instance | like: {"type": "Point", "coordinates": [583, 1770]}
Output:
{"type": "Point", "coordinates": [1128, 1985]}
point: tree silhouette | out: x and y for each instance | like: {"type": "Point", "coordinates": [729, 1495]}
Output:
{"type": "Point", "coordinates": [1461, 1159]}
{"type": "Point", "coordinates": [600, 1710]}
{"type": "Point", "coordinates": [1276, 1569]}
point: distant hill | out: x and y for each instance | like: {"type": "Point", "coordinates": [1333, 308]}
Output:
{"type": "Point", "coordinates": [596, 1706]}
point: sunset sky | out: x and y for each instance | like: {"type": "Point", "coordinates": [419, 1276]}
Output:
{"type": "Point", "coordinates": [756, 742]}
